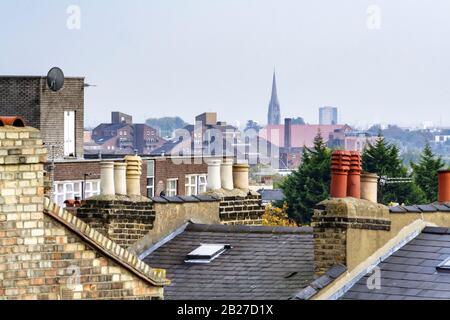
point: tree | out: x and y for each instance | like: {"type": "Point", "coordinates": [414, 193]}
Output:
{"type": "Point", "coordinates": [166, 125]}
{"type": "Point", "coordinates": [274, 216]}
{"type": "Point", "coordinates": [384, 159]}
{"type": "Point", "coordinates": [310, 183]}
{"type": "Point", "coordinates": [425, 173]}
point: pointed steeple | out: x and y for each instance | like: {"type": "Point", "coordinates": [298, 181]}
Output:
{"type": "Point", "coordinates": [274, 105]}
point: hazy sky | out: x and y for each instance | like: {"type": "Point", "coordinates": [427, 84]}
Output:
{"type": "Point", "coordinates": [154, 58]}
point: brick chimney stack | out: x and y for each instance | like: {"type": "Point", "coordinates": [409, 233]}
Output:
{"type": "Point", "coordinates": [340, 166]}
{"type": "Point", "coordinates": [444, 186]}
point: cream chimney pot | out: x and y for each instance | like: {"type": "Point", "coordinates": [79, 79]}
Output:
{"type": "Point", "coordinates": [107, 179]}
{"type": "Point", "coordinates": [240, 176]}
{"type": "Point", "coordinates": [226, 173]}
{"type": "Point", "coordinates": [214, 181]}
{"type": "Point", "coordinates": [369, 187]}
{"type": "Point", "coordinates": [120, 178]}
{"type": "Point", "coordinates": [134, 171]}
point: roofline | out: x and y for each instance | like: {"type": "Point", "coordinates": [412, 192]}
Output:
{"type": "Point", "coordinates": [34, 77]}
{"type": "Point", "coordinates": [247, 229]}
{"type": "Point", "coordinates": [346, 281]}
{"type": "Point", "coordinates": [109, 248]}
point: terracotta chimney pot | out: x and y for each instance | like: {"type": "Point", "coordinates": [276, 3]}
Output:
{"type": "Point", "coordinates": [354, 175]}
{"type": "Point", "coordinates": [340, 166]}
{"type": "Point", "coordinates": [444, 185]}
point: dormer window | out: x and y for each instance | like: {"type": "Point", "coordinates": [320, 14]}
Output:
{"type": "Point", "coordinates": [206, 253]}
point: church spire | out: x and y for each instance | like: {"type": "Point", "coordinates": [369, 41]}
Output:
{"type": "Point", "coordinates": [274, 105]}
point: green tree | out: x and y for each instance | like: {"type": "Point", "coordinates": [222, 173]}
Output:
{"type": "Point", "coordinates": [384, 159]}
{"type": "Point", "coordinates": [310, 183]}
{"type": "Point", "coordinates": [425, 173]}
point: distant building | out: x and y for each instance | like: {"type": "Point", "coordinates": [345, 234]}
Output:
{"type": "Point", "coordinates": [274, 115]}
{"type": "Point", "coordinates": [351, 140]}
{"type": "Point", "coordinates": [328, 116]}
{"type": "Point", "coordinates": [122, 136]}
{"type": "Point", "coordinates": [442, 137]}
{"type": "Point", "coordinates": [59, 115]}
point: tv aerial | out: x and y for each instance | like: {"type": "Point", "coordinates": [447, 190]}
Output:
{"type": "Point", "coordinates": [55, 79]}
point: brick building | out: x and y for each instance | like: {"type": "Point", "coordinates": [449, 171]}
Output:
{"type": "Point", "coordinates": [174, 176]}
{"type": "Point", "coordinates": [121, 136]}
{"type": "Point", "coordinates": [59, 115]}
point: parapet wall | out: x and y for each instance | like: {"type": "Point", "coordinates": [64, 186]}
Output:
{"type": "Point", "coordinates": [347, 231]}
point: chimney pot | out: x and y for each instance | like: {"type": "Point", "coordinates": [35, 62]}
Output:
{"type": "Point", "coordinates": [354, 175]}
{"type": "Point", "coordinates": [444, 186]}
{"type": "Point", "coordinates": [240, 176]}
{"type": "Point", "coordinates": [369, 187]}
{"type": "Point", "coordinates": [133, 176]}
{"type": "Point", "coordinates": [120, 178]}
{"type": "Point", "coordinates": [107, 178]}
{"type": "Point", "coordinates": [226, 173]}
{"type": "Point", "coordinates": [214, 180]}
{"type": "Point", "coordinates": [340, 166]}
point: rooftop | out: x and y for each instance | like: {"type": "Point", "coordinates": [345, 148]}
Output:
{"type": "Point", "coordinates": [263, 262]}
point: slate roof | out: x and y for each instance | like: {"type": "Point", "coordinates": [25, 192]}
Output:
{"type": "Point", "coordinates": [410, 273]}
{"type": "Point", "coordinates": [263, 263]}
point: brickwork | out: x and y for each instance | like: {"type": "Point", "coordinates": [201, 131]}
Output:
{"type": "Point", "coordinates": [42, 108]}
{"type": "Point", "coordinates": [123, 221]}
{"type": "Point", "coordinates": [239, 208]}
{"type": "Point", "coordinates": [332, 221]}
{"type": "Point", "coordinates": [168, 169]}
{"type": "Point", "coordinates": [48, 253]}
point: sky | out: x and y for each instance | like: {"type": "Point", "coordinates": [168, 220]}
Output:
{"type": "Point", "coordinates": [384, 61]}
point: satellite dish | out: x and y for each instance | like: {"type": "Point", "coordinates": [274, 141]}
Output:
{"type": "Point", "coordinates": [55, 79]}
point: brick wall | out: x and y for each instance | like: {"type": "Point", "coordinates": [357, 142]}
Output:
{"type": "Point", "coordinates": [168, 169]}
{"type": "Point", "coordinates": [123, 221]}
{"type": "Point", "coordinates": [53, 105]}
{"type": "Point", "coordinates": [42, 108]}
{"type": "Point", "coordinates": [21, 96]}
{"type": "Point", "coordinates": [46, 252]}
{"type": "Point", "coordinates": [334, 219]}
{"type": "Point", "coordinates": [238, 210]}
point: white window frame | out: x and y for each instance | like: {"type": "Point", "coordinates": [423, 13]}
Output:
{"type": "Point", "coordinates": [172, 190]}
{"type": "Point", "coordinates": [68, 192]}
{"type": "Point", "coordinates": [196, 186]}
{"type": "Point", "coordinates": [69, 133]}
{"type": "Point", "coordinates": [151, 177]}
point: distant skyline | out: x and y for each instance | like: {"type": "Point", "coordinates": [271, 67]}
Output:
{"type": "Point", "coordinates": [156, 58]}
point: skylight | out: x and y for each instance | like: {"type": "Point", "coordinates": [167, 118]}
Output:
{"type": "Point", "coordinates": [444, 266]}
{"type": "Point", "coordinates": [206, 253]}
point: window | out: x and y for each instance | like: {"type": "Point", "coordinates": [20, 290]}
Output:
{"type": "Point", "coordinates": [150, 178]}
{"type": "Point", "coordinates": [71, 189]}
{"type": "Point", "coordinates": [195, 184]}
{"type": "Point", "coordinates": [206, 253]}
{"type": "Point", "coordinates": [69, 133]}
{"type": "Point", "coordinates": [172, 187]}
{"type": "Point", "coordinates": [444, 266]}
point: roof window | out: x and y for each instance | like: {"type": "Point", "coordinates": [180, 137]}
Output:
{"type": "Point", "coordinates": [206, 253]}
{"type": "Point", "coordinates": [444, 266]}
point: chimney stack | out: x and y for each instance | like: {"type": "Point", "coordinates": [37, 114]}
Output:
{"type": "Point", "coordinates": [288, 133]}
{"type": "Point", "coordinates": [354, 175]}
{"type": "Point", "coordinates": [226, 173]}
{"type": "Point", "coordinates": [340, 165]}
{"type": "Point", "coordinates": [369, 187]}
{"type": "Point", "coordinates": [240, 176]}
{"type": "Point", "coordinates": [134, 171]}
{"type": "Point", "coordinates": [214, 180]}
{"type": "Point", "coordinates": [120, 178]}
{"type": "Point", "coordinates": [107, 178]}
{"type": "Point", "coordinates": [444, 185]}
